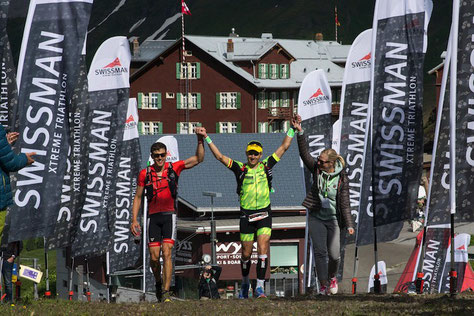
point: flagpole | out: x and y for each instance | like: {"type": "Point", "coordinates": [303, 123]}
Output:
{"type": "Point", "coordinates": [452, 140]}
{"type": "Point", "coordinates": [335, 20]}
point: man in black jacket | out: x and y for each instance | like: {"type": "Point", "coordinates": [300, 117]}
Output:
{"type": "Point", "coordinates": [208, 283]}
{"type": "Point", "coordinates": [8, 255]}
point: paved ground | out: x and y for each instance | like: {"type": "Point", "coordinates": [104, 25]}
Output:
{"type": "Point", "coordinates": [395, 254]}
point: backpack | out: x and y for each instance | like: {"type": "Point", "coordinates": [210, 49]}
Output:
{"type": "Point", "coordinates": [150, 191]}
{"type": "Point", "coordinates": [243, 171]}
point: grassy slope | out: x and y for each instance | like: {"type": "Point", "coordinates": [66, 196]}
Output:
{"type": "Point", "coordinates": [462, 304]}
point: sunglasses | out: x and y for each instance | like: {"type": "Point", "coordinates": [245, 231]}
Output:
{"type": "Point", "coordinates": [253, 153]}
{"type": "Point", "coordinates": [322, 161]}
{"type": "Point", "coordinates": [163, 155]}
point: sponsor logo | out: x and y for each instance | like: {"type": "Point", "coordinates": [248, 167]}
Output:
{"type": "Point", "coordinates": [113, 68]}
{"type": "Point", "coordinates": [462, 248]}
{"type": "Point", "coordinates": [363, 63]}
{"type": "Point", "coordinates": [316, 98]}
{"type": "Point", "coordinates": [130, 123]}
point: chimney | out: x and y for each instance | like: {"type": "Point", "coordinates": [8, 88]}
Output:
{"type": "Point", "coordinates": [136, 47]}
{"type": "Point", "coordinates": [318, 37]}
{"type": "Point", "coordinates": [230, 49]}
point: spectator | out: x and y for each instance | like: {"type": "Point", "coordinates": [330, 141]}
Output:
{"type": "Point", "coordinates": [208, 283]}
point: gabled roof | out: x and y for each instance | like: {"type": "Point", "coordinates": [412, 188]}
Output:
{"type": "Point", "coordinates": [148, 50]}
{"type": "Point", "coordinates": [308, 56]}
{"type": "Point", "coordinates": [213, 176]}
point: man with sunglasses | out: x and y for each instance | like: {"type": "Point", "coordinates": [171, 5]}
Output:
{"type": "Point", "coordinates": [254, 194]}
{"type": "Point", "coordinates": [162, 209]}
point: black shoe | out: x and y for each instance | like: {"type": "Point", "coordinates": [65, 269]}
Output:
{"type": "Point", "coordinates": [159, 292]}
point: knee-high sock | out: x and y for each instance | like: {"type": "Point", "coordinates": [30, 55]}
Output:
{"type": "Point", "coordinates": [245, 267]}
{"type": "Point", "coordinates": [262, 267]}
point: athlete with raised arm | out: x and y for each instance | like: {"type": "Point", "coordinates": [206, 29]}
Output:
{"type": "Point", "coordinates": [254, 187]}
{"type": "Point", "coordinates": [160, 183]}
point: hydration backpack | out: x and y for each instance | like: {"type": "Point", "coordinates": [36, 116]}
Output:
{"type": "Point", "coordinates": [243, 171]}
{"type": "Point", "coordinates": [150, 191]}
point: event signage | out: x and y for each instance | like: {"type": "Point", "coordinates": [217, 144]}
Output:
{"type": "Point", "coordinates": [399, 46]}
{"type": "Point", "coordinates": [109, 95]}
{"type": "Point", "coordinates": [48, 69]}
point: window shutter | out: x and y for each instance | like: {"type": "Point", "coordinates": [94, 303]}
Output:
{"type": "Point", "coordinates": [159, 100]}
{"type": "Point", "coordinates": [178, 101]}
{"type": "Point", "coordinates": [239, 127]}
{"type": "Point", "coordinates": [198, 70]}
{"type": "Point", "coordinates": [238, 100]}
{"type": "Point", "coordinates": [287, 72]}
{"type": "Point", "coordinates": [260, 70]}
{"type": "Point", "coordinates": [160, 127]}
{"type": "Point", "coordinates": [279, 103]}
{"type": "Point", "coordinates": [140, 128]}
{"type": "Point", "coordinates": [266, 70]}
{"type": "Point", "coordinates": [178, 129]}
{"type": "Point", "coordinates": [218, 101]}
{"type": "Point", "coordinates": [218, 129]}
{"type": "Point", "coordinates": [286, 125]}
{"type": "Point", "coordinates": [140, 98]}
{"type": "Point", "coordinates": [282, 66]}
{"type": "Point", "coordinates": [265, 100]}
{"type": "Point", "coordinates": [178, 70]}
{"type": "Point", "coordinates": [260, 102]}
{"type": "Point", "coordinates": [198, 101]}
{"type": "Point", "coordinates": [259, 127]}
{"type": "Point", "coordinates": [270, 128]}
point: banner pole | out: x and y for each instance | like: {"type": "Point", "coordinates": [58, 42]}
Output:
{"type": "Point", "coordinates": [71, 293]}
{"type": "Point", "coordinates": [144, 238]}
{"type": "Point", "coordinates": [107, 271]}
{"type": "Point", "coordinates": [452, 138]}
{"type": "Point", "coordinates": [47, 292]}
{"type": "Point", "coordinates": [306, 268]}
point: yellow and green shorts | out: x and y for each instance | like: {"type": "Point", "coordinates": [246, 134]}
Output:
{"type": "Point", "coordinates": [260, 227]}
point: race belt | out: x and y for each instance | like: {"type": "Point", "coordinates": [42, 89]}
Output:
{"type": "Point", "coordinates": [257, 216]}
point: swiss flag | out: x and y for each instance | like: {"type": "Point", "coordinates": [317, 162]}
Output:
{"type": "Point", "coordinates": [116, 62]}
{"type": "Point", "coordinates": [184, 8]}
{"type": "Point", "coordinates": [317, 93]}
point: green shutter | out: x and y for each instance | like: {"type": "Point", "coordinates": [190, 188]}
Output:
{"type": "Point", "coordinates": [160, 127]}
{"type": "Point", "coordinates": [140, 128]}
{"type": "Point", "coordinates": [281, 70]}
{"type": "Point", "coordinates": [217, 128]}
{"type": "Point", "coordinates": [140, 98]}
{"type": "Point", "coordinates": [218, 100]}
{"type": "Point", "coordinates": [238, 100]}
{"type": "Point", "coordinates": [260, 70]}
{"type": "Point", "coordinates": [259, 127]}
{"type": "Point", "coordinates": [287, 71]}
{"type": "Point", "coordinates": [199, 101]}
{"type": "Point", "coordinates": [239, 127]}
{"type": "Point", "coordinates": [279, 99]}
{"type": "Point", "coordinates": [177, 128]}
{"type": "Point", "coordinates": [260, 102]}
{"type": "Point", "coordinates": [178, 70]}
{"type": "Point", "coordinates": [198, 70]}
{"type": "Point", "coordinates": [159, 100]}
{"type": "Point", "coordinates": [265, 100]}
{"type": "Point", "coordinates": [178, 100]}
{"type": "Point", "coordinates": [266, 70]}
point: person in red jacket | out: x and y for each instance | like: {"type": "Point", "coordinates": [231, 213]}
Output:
{"type": "Point", "coordinates": [160, 181]}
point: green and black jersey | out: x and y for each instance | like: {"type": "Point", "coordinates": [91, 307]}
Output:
{"type": "Point", "coordinates": [255, 192]}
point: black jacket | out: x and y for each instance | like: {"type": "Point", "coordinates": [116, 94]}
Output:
{"type": "Point", "coordinates": [209, 289]}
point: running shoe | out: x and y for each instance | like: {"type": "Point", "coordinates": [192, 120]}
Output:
{"type": "Point", "coordinates": [260, 292]}
{"type": "Point", "coordinates": [333, 286]}
{"type": "Point", "coordinates": [244, 291]}
{"type": "Point", "coordinates": [323, 290]}
{"type": "Point", "coordinates": [166, 296]}
{"type": "Point", "coordinates": [159, 292]}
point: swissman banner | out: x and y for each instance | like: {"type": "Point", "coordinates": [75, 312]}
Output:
{"type": "Point", "coordinates": [8, 90]}
{"type": "Point", "coordinates": [400, 41]}
{"type": "Point", "coordinates": [125, 253]}
{"type": "Point", "coordinates": [72, 197]}
{"type": "Point", "coordinates": [354, 139]}
{"type": "Point", "coordinates": [109, 93]}
{"type": "Point", "coordinates": [48, 69]}
{"type": "Point", "coordinates": [439, 203]}
{"type": "Point", "coordinates": [314, 107]}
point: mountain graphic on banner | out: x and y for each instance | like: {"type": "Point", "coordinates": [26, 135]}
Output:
{"type": "Point", "coordinates": [130, 119]}
{"type": "Point", "coordinates": [366, 57]}
{"type": "Point", "coordinates": [115, 63]}
{"type": "Point", "coordinates": [317, 94]}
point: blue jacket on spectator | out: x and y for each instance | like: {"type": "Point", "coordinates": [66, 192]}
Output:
{"type": "Point", "coordinates": [9, 162]}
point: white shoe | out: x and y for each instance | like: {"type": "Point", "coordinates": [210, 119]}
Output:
{"type": "Point", "coordinates": [333, 286]}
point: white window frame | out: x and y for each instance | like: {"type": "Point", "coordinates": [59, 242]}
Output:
{"type": "Point", "coordinates": [153, 100]}
{"type": "Point", "coordinates": [263, 72]}
{"type": "Point", "coordinates": [188, 70]}
{"type": "Point", "coordinates": [150, 128]}
{"type": "Point", "coordinates": [285, 71]}
{"type": "Point", "coordinates": [273, 101]}
{"type": "Point", "coordinates": [228, 127]}
{"type": "Point", "coordinates": [193, 104]}
{"type": "Point", "coordinates": [228, 100]}
{"type": "Point", "coordinates": [187, 128]}
{"type": "Point", "coordinates": [285, 99]}
{"type": "Point", "coordinates": [274, 71]}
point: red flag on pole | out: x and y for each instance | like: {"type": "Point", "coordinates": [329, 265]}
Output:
{"type": "Point", "coordinates": [335, 15]}
{"type": "Point", "coordinates": [184, 8]}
